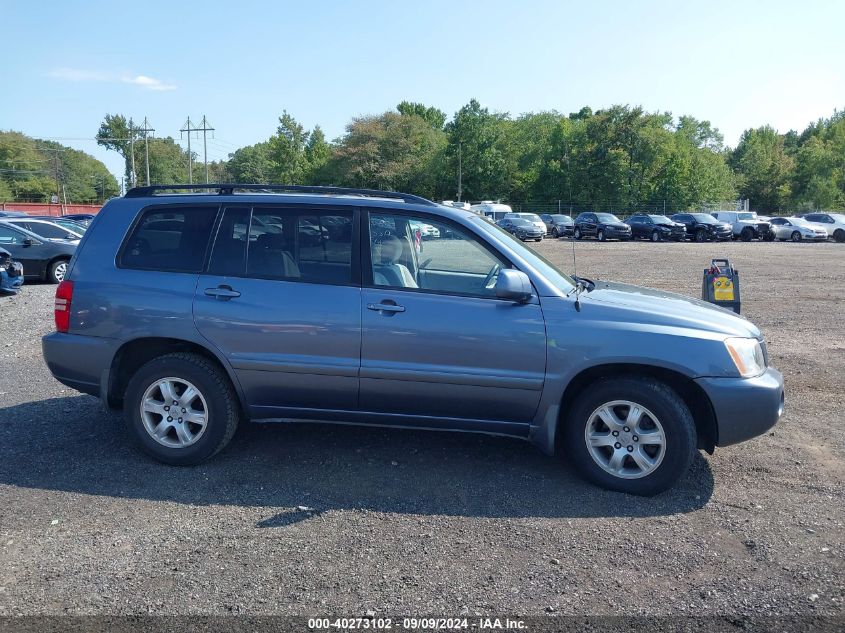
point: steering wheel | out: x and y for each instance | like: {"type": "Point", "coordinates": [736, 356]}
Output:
{"type": "Point", "coordinates": [489, 281]}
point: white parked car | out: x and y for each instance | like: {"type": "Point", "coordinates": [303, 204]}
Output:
{"type": "Point", "coordinates": [746, 225]}
{"type": "Point", "coordinates": [46, 229]}
{"type": "Point", "coordinates": [531, 217]}
{"type": "Point", "coordinates": [798, 230]}
{"type": "Point", "coordinates": [427, 232]}
{"type": "Point", "coordinates": [833, 223]}
{"type": "Point", "coordinates": [455, 204]}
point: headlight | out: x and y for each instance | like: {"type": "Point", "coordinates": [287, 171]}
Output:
{"type": "Point", "coordinates": [747, 355]}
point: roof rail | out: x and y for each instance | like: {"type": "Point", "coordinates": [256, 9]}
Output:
{"type": "Point", "coordinates": [228, 189]}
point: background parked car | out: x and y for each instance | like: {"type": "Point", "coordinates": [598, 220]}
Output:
{"type": "Point", "coordinates": [12, 214]}
{"type": "Point", "coordinates": [71, 225]}
{"type": "Point", "coordinates": [41, 258]}
{"type": "Point", "coordinates": [833, 223]}
{"type": "Point", "coordinates": [531, 217]}
{"type": "Point", "coordinates": [427, 232]}
{"type": "Point", "coordinates": [703, 227]}
{"type": "Point", "coordinates": [656, 228]}
{"type": "Point", "coordinates": [45, 229]}
{"type": "Point", "coordinates": [746, 225]}
{"type": "Point", "coordinates": [558, 225]}
{"type": "Point", "coordinates": [11, 273]}
{"type": "Point", "coordinates": [494, 210]}
{"type": "Point", "coordinates": [602, 226]}
{"type": "Point", "coordinates": [521, 228]}
{"type": "Point", "coordinates": [798, 229]}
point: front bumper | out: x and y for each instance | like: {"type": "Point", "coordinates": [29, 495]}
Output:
{"type": "Point", "coordinates": [744, 407]}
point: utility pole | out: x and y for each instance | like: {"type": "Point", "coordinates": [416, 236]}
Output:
{"type": "Point", "coordinates": [145, 130]}
{"type": "Point", "coordinates": [189, 129]}
{"type": "Point", "coordinates": [460, 167]}
{"type": "Point", "coordinates": [132, 180]}
{"type": "Point", "coordinates": [205, 128]}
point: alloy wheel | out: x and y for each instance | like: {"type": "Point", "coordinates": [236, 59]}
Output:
{"type": "Point", "coordinates": [625, 439]}
{"type": "Point", "coordinates": [174, 412]}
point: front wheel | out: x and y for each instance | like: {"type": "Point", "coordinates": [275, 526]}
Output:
{"type": "Point", "coordinates": [655, 236]}
{"type": "Point", "coordinates": [796, 236]}
{"type": "Point", "coordinates": [601, 236]}
{"type": "Point", "coordinates": [747, 234]}
{"type": "Point", "coordinates": [181, 409]}
{"type": "Point", "coordinates": [577, 233]}
{"type": "Point", "coordinates": [839, 235]}
{"type": "Point", "coordinates": [701, 235]}
{"type": "Point", "coordinates": [630, 434]}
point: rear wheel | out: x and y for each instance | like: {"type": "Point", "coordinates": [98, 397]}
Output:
{"type": "Point", "coordinates": [630, 434]}
{"type": "Point", "coordinates": [796, 236]}
{"type": "Point", "coordinates": [839, 235]}
{"type": "Point", "coordinates": [181, 409]}
{"type": "Point", "coordinates": [57, 271]}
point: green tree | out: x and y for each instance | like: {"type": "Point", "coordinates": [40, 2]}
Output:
{"type": "Point", "coordinates": [764, 169]}
{"type": "Point", "coordinates": [480, 138]}
{"type": "Point", "coordinates": [251, 164]}
{"type": "Point", "coordinates": [434, 117]}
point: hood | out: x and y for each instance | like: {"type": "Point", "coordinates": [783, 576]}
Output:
{"type": "Point", "coordinates": [616, 225]}
{"type": "Point", "coordinates": [649, 306]}
{"type": "Point", "coordinates": [671, 225]}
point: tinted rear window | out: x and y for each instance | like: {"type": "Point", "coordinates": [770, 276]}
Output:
{"type": "Point", "coordinates": [170, 239]}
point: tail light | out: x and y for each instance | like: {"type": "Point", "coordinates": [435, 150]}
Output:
{"type": "Point", "coordinates": [64, 295]}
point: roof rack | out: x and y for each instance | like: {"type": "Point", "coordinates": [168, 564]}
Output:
{"type": "Point", "coordinates": [230, 188]}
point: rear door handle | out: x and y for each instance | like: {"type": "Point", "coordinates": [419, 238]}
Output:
{"type": "Point", "coordinates": [385, 307]}
{"type": "Point", "coordinates": [222, 292]}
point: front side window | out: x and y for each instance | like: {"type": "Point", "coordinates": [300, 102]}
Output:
{"type": "Point", "coordinates": [456, 262]}
{"type": "Point", "coordinates": [10, 236]}
{"type": "Point", "coordinates": [171, 239]}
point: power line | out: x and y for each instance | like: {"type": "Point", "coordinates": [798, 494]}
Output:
{"type": "Point", "coordinates": [145, 130]}
{"type": "Point", "coordinates": [204, 129]}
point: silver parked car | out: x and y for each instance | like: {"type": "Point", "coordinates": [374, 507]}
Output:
{"type": "Point", "coordinates": [798, 230]}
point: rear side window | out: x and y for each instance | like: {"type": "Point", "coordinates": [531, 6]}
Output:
{"type": "Point", "coordinates": [285, 244]}
{"type": "Point", "coordinates": [173, 239]}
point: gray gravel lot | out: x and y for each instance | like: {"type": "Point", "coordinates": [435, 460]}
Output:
{"type": "Point", "coordinates": [296, 519]}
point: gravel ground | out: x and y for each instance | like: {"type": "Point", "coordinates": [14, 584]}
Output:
{"type": "Point", "coordinates": [296, 519]}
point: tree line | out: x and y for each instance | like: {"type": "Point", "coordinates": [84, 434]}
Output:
{"type": "Point", "coordinates": [620, 158]}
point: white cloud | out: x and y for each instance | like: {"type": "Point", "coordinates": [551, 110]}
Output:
{"type": "Point", "coordinates": [150, 83]}
{"type": "Point", "coordinates": [81, 74]}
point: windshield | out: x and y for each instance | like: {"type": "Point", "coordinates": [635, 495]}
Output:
{"type": "Point", "coordinates": [660, 219]}
{"type": "Point", "coordinates": [531, 217]}
{"type": "Point", "coordinates": [607, 217]}
{"type": "Point", "coordinates": [745, 216]}
{"type": "Point", "coordinates": [552, 273]}
{"type": "Point", "coordinates": [50, 231]}
{"type": "Point", "coordinates": [704, 218]}
{"type": "Point", "coordinates": [520, 222]}
{"type": "Point", "coordinates": [798, 221]}
{"type": "Point", "coordinates": [561, 218]}
{"type": "Point", "coordinates": [838, 217]}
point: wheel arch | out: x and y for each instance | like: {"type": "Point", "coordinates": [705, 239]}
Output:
{"type": "Point", "coordinates": [691, 393]}
{"type": "Point", "coordinates": [133, 354]}
{"type": "Point", "coordinates": [49, 264]}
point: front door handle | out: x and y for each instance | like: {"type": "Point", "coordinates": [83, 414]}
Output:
{"type": "Point", "coordinates": [385, 307]}
{"type": "Point", "coordinates": [223, 293]}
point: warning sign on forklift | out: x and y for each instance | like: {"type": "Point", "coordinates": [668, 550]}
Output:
{"type": "Point", "coordinates": [721, 285]}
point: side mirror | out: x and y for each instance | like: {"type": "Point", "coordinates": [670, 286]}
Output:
{"type": "Point", "coordinates": [513, 285]}
{"type": "Point", "coordinates": [27, 241]}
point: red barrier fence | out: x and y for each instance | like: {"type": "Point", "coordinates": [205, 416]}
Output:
{"type": "Point", "coordinates": [39, 208]}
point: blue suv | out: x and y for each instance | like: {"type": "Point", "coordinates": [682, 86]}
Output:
{"type": "Point", "coordinates": [195, 311]}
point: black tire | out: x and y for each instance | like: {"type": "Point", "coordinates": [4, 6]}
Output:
{"type": "Point", "coordinates": [577, 233]}
{"type": "Point", "coordinates": [769, 236]}
{"type": "Point", "coordinates": [655, 236]}
{"type": "Point", "coordinates": [747, 234]}
{"type": "Point", "coordinates": [796, 236]}
{"type": "Point", "coordinates": [839, 235]}
{"type": "Point", "coordinates": [555, 233]}
{"type": "Point", "coordinates": [57, 270]}
{"type": "Point", "coordinates": [701, 235]}
{"type": "Point", "coordinates": [222, 414]}
{"type": "Point", "coordinates": [657, 397]}
{"type": "Point", "coordinates": [600, 236]}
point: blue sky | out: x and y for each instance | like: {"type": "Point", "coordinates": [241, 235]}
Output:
{"type": "Point", "coordinates": [737, 64]}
